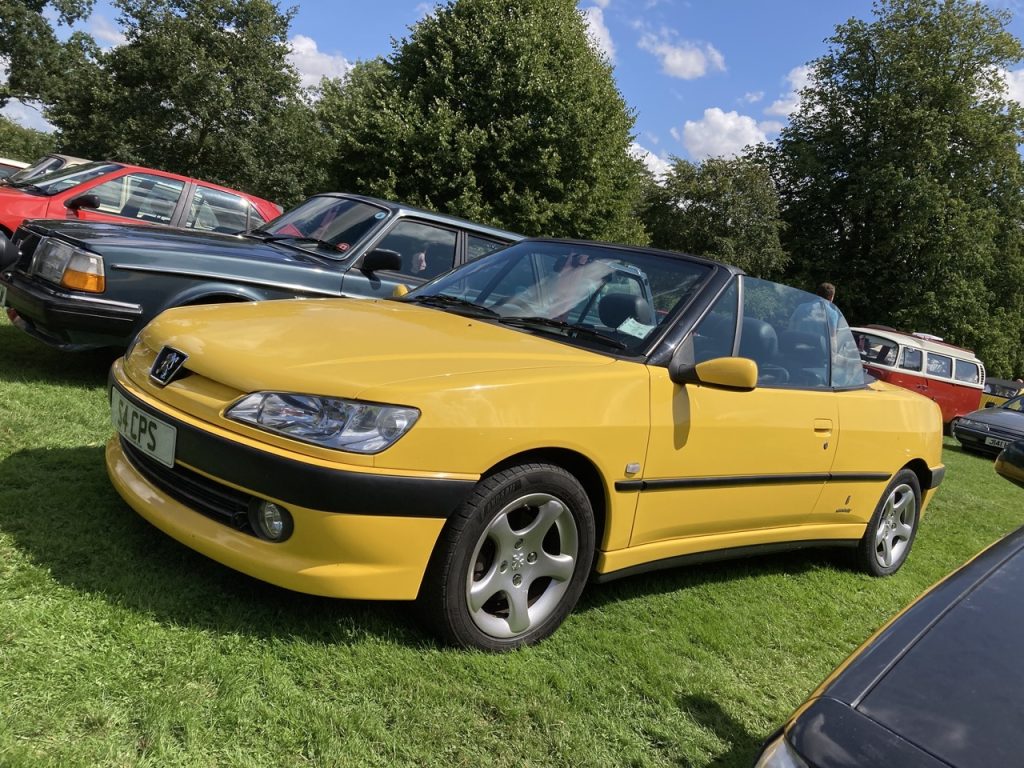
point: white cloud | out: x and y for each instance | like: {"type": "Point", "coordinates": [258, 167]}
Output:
{"type": "Point", "coordinates": [1014, 85]}
{"type": "Point", "coordinates": [27, 115]}
{"type": "Point", "coordinates": [657, 165]}
{"type": "Point", "coordinates": [600, 37]}
{"type": "Point", "coordinates": [752, 97]}
{"type": "Point", "coordinates": [103, 29]}
{"type": "Point", "coordinates": [313, 64]}
{"type": "Point", "coordinates": [683, 59]}
{"type": "Point", "coordinates": [602, 4]}
{"type": "Point", "coordinates": [720, 134]}
{"type": "Point", "coordinates": [798, 78]}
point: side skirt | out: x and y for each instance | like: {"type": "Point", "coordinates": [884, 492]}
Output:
{"type": "Point", "coordinates": [714, 555]}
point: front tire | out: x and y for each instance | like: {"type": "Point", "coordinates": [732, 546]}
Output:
{"type": "Point", "coordinates": [893, 527]}
{"type": "Point", "coordinates": [513, 560]}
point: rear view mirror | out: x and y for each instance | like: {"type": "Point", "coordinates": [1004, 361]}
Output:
{"type": "Point", "coordinates": [88, 200]}
{"type": "Point", "coordinates": [989, 404]}
{"type": "Point", "coordinates": [381, 259]}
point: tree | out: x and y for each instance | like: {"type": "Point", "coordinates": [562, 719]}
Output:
{"type": "Point", "coordinates": [725, 209]}
{"type": "Point", "coordinates": [29, 48]}
{"type": "Point", "coordinates": [900, 176]}
{"type": "Point", "coordinates": [497, 110]}
{"type": "Point", "coordinates": [22, 143]}
{"type": "Point", "coordinates": [200, 87]}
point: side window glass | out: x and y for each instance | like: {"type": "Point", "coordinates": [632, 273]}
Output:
{"type": "Point", "coordinates": [788, 333]}
{"type": "Point", "coordinates": [940, 365]}
{"type": "Point", "coordinates": [847, 370]}
{"type": "Point", "coordinates": [480, 246]}
{"type": "Point", "coordinates": [215, 211]}
{"type": "Point", "coordinates": [426, 250]}
{"type": "Point", "coordinates": [911, 359]}
{"type": "Point", "coordinates": [140, 196]}
{"type": "Point", "coordinates": [967, 373]}
{"type": "Point", "coordinates": [713, 336]}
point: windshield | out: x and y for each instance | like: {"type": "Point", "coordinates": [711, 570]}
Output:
{"type": "Point", "coordinates": [1016, 404]}
{"type": "Point", "coordinates": [583, 294]}
{"type": "Point", "coordinates": [330, 225]}
{"type": "Point", "coordinates": [58, 181]}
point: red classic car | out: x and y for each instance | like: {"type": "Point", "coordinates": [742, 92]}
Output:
{"type": "Point", "coordinates": [106, 191]}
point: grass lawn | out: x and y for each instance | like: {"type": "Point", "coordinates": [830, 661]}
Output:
{"type": "Point", "coordinates": [121, 647]}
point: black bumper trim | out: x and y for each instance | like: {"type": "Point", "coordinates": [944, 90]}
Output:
{"type": "Point", "coordinates": [50, 314]}
{"type": "Point", "coordinates": [307, 485]}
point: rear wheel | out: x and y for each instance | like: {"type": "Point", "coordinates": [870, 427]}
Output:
{"type": "Point", "coordinates": [890, 533]}
{"type": "Point", "coordinates": [513, 561]}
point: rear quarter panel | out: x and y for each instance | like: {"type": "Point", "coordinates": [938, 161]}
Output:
{"type": "Point", "coordinates": [882, 429]}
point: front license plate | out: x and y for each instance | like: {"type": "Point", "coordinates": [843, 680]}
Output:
{"type": "Point", "coordinates": [3, 295]}
{"type": "Point", "coordinates": [995, 442]}
{"type": "Point", "coordinates": [152, 436]}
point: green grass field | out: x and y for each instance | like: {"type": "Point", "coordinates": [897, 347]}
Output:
{"type": "Point", "coordinates": [121, 647]}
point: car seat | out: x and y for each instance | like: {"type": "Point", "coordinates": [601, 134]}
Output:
{"type": "Point", "coordinates": [615, 308]}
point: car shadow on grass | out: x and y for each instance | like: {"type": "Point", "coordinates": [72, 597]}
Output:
{"type": "Point", "coordinates": [27, 360]}
{"type": "Point", "coordinates": [65, 517]}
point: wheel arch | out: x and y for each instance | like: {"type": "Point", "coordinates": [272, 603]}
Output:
{"type": "Point", "coordinates": [576, 464]}
{"type": "Point", "coordinates": [923, 472]}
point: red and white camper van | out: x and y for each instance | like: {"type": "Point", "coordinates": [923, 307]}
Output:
{"type": "Point", "coordinates": [951, 376]}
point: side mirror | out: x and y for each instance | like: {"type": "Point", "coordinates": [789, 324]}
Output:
{"type": "Point", "coordinates": [381, 259]}
{"type": "Point", "coordinates": [88, 200]}
{"type": "Point", "coordinates": [739, 373]}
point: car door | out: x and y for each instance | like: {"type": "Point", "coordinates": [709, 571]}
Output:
{"type": "Point", "coordinates": [134, 197]}
{"type": "Point", "coordinates": [426, 250]}
{"type": "Point", "coordinates": [723, 461]}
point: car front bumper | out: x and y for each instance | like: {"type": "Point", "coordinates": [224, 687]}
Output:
{"type": "Point", "coordinates": [66, 320]}
{"type": "Point", "coordinates": [975, 439]}
{"type": "Point", "coordinates": [370, 535]}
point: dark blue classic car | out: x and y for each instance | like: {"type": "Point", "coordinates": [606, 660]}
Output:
{"type": "Point", "coordinates": [989, 430]}
{"type": "Point", "coordinates": [78, 285]}
{"type": "Point", "coordinates": [938, 687]}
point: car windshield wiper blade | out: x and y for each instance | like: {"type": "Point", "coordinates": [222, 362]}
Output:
{"type": "Point", "coordinates": [461, 306]}
{"type": "Point", "coordinates": [267, 238]}
{"type": "Point", "coordinates": [562, 328]}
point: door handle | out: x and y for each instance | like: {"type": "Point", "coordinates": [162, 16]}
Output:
{"type": "Point", "coordinates": [823, 426]}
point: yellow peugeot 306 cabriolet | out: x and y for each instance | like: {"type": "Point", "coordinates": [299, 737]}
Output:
{"type": "Point", "coordinates": [550, 413]}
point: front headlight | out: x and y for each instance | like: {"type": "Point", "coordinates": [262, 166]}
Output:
{"type": "Point", "coordinates": [345, 425]}
{"type": "Point", "coordinates": [779, 754]}
{"type": "Point", "coordinates": [64, 264]}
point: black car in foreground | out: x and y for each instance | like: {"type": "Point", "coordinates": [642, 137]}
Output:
{"type": "Point", "coordinates": [940, 686]}
{"type": "Point", "coordinates": [989, 430]}
{"type": "Point", "coordinates": [78, 285]}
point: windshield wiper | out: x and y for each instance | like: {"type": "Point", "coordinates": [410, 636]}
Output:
{"type": "Point", "coordinates": [460, 306]}
{"type": "Point", "coordinates": [267, 238]}
{"type": "Point", "coordinates": [28, 186]}
{"type": "Point", "coordinates": [562, 328]}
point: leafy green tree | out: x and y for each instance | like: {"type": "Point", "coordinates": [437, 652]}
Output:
{"type": "Point", "coordinates": [725, 209]}
{"type": "Point", "coordinates": [900, 176]}
{"type": "Point", "coordinates": [20, 143]}
{"type": "Point", "coordinates": [497, 110]}
{"type": "Point", "coordinates": [200, 87]}
{"type": "Point", "coordinates": [29, 48]}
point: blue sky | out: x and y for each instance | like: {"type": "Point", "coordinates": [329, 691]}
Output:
{"type": "Point", "coordinates": [706, 77]}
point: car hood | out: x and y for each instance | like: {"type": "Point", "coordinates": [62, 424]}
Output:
{"type": "Point", "coordinates": [945, 675]}
{"type": "Point", "coordinates": [348, 347]}
{"type": "Point", "coordinates": [114, 239]}
{"type": "Point", "coordinates": [1003, 418]}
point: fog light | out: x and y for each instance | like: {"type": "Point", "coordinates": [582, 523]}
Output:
{"type": "Point", "coordinates": [270, 521]}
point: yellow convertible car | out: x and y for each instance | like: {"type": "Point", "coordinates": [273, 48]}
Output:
{"type": "Point", "coordinates": [550, 413]}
